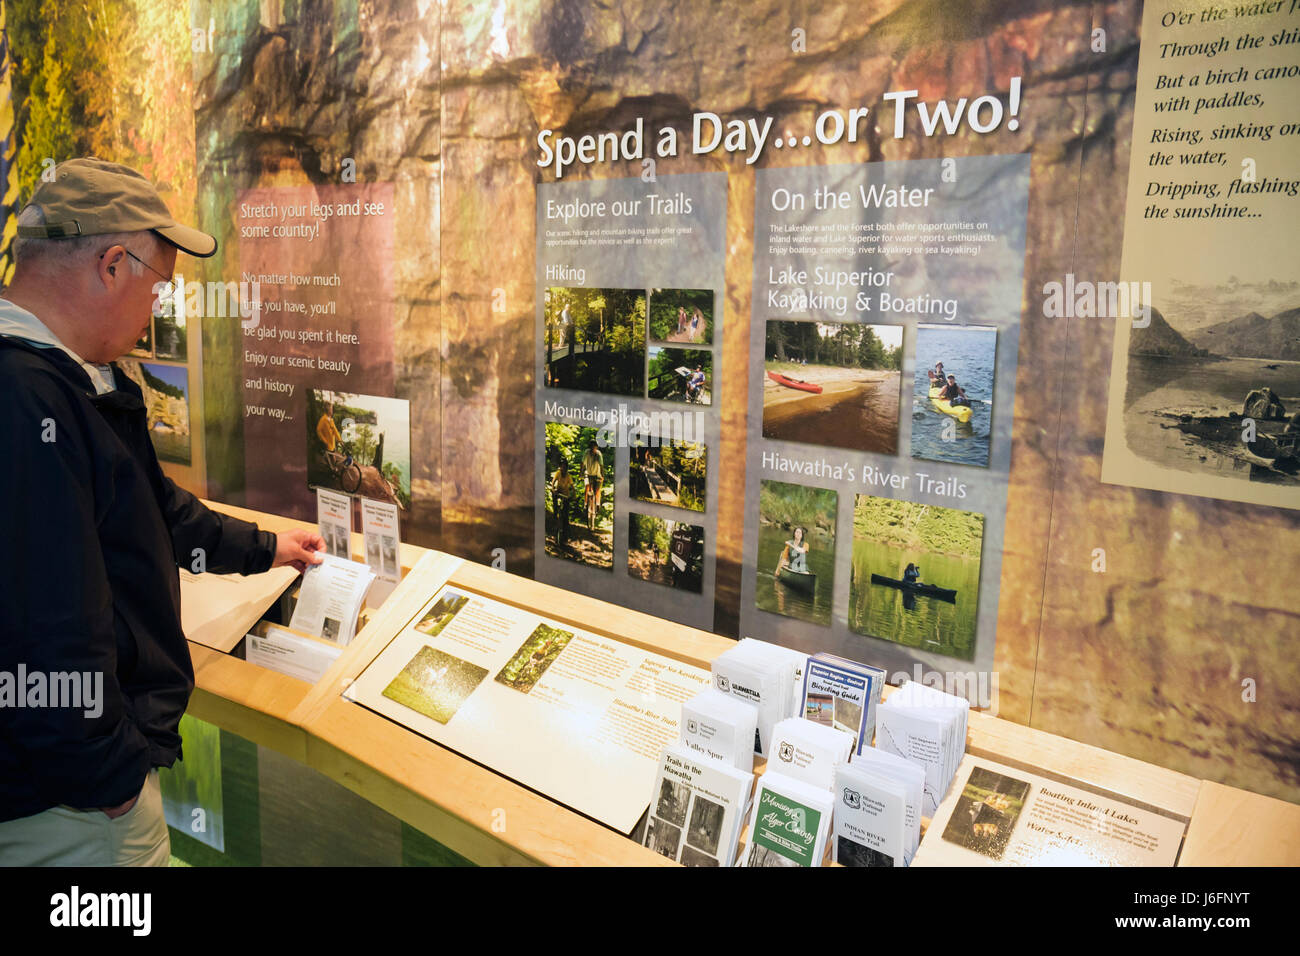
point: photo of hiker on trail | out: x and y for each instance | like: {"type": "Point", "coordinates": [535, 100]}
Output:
{"type": "Point", "coordinates": [952, 393]}
{"type": "Point", "coordinates": [579, 495]}
{"type": "Point", "coordinates": [680, 375]}
{"type": "Point", "coordinates": [672, 474]}
{"type": "Point", "coordinates": [832, 383]}
{"type": "Point", "coordinates": [681, 315]}
{"type": "Point", "coordinates": [360, 445]}
{"type": "Point", "coordinates": [595, 340]}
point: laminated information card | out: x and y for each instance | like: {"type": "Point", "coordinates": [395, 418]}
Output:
{"type": "Point", "coordinates": [579, 717]}
{"type": "Point", "coordinates": [1003, 816]}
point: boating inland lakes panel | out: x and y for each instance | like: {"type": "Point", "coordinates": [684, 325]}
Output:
{"type": "Point", "coordinates": [873, 524]}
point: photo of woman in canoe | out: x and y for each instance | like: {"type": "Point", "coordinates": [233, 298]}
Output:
{"type": "Point", "coordinates": [831, 383]}
{"type": "Point", "coordinates": [795, 568]}
{"type": "Point", "coordinates": [795, 554]}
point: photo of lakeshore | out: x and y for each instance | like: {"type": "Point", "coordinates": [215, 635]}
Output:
{"type": "Point", "coordinates": [834, 384]}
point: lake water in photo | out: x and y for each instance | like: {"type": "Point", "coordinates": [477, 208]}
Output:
{"type": "Point", "coordinates": [773, 595]}
{"type": "Point", "coordinates": [913, 620]}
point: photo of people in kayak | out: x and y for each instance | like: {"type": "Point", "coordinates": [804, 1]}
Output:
{"type": "Point", "coordinates": [595, 340]}
{"type": "Point", "coordinates": [915, 574]}
{"type": "Point", "coordinates": [681, 315]}
{"type": "Point", "coordinates": [665, 552]}
{"type": "Point", "coordinates": [796, 551]}
{"type": "Point", "coordinates": [952, 398]}
{"type": "Point", "coordinates": [579, 495]}
{"type": "Point", "coordinates": [833, 383]}
{"type": "Point", "coordinates": [680, 375]}
{"type": "Point", "coordinates": [674, 473]}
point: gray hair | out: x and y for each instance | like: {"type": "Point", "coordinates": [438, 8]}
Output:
{"type": "Point", "coordinates": [64, 253]}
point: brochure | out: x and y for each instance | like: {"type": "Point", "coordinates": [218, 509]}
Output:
{"type": "Point", "coordinates": [697, 807]}
{"type": "Point", "coordinates": [330, 599]}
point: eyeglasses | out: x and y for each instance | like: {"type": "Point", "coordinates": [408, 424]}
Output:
{"type": "Point", "coordinates": [168, 290]}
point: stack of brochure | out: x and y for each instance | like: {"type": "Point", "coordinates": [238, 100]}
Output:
{"type": "Point", "coordinates": [331, 598]}
{"type": "Point", "coordinates": [790, 823]}
{"type": "Point", "coordinates": [843, 694]}
{"type": "Point", "coordinates": [697, 808]}
{"type": "Point", "coordinates": [877, 811]}
{"type": "Point", "coordinates": [764, 675]}
{"type": "Point", "coordinates": [808, 751]}
{"type": "Point", "coordinates": [720, 727]}
{"type": "Point", "coordinates": [927, 727]}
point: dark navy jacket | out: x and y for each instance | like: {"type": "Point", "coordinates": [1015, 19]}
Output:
{"type": "Point", "coordinates": [92, 537]}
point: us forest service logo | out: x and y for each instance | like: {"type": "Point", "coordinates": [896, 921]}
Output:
{"type": "Point", "coordinates": [692, 727]}
{"type": "Point", "coordinates": [787, 752]}
{"type": "Point", "coordinates": [724, 685]}
{"type": "Point", "coordinates": [851, 799]}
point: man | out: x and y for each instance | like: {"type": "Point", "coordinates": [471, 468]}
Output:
{"type": "Point", "coordinates": [953, 393]}
{"type": "Point", "coordinates": [593, 471]}
{"type": "Point", "coordinates": [95, 530]}
{"type": "Point", "coordinates": [694, 384]}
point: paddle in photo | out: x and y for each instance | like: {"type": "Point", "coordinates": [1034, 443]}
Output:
{"type": "Point", "coordinates": [915, 575]}
{"type": "Point", "coordinates": [952, 393]}
{"type": "Point", "coordinates": [796, 551]}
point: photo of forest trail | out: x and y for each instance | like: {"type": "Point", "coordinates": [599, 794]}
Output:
{"type": "Point", "coordinates": [835, 384]}
{"type": "Point", "coordinates": [569, 532]}
{"type": "Point", "coordinates": [595, 340]}
{"type": "Point", "coordinates": [665, 552]}
{"type": "Point", "coordinates": [680, 375]}
{"type": "Point", "coordinates": [681, 315]}
{"type": "Point", "coordinates": [673, 474]}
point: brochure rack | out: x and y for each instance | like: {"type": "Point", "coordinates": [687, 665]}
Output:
{"type": "Point", "coordinates": [492, 820]}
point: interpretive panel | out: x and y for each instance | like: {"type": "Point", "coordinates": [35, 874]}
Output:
{"type": "Point", "coordinates": [629, 331]}
{"type": "Point", "coordinates": [1205, 385]}
{"type": "Point", "coordinates": [579, 717]}
{"type": "Point", "coordinates": [1003, 816]}
{"type": "Point", "coordinates": [883, 344]}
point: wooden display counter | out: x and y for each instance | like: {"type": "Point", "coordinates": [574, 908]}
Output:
{"type": "Point", "coordinates": [492, 820]}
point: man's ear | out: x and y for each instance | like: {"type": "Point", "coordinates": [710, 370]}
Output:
{"type": "Point", "coordinates": [111, 265]}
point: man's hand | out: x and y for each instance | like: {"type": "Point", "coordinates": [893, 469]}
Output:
{"type": "Point", "coordinates": [121, 810]}
{"type": "Point", "coordinates": [298, 549]}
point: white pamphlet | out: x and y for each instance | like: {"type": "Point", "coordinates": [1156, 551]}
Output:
{"type": "Point", "coordinates": [291, 654]}
{"type": "Point", "coordinates": [697, 807]}
{"type": "Point", "coordinates": [808, 751]}
{"type": "Point", "coordinates": [869, 818]}
{"type": "Point", "coordinates": [334, 521]}
{"type": "Point", "coordinates": [721, 727]}
{"type": "Point", "coordinates": [381, 534]}
{"type": "Point", "coordinates": [331, 598]}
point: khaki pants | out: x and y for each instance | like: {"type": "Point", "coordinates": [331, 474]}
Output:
{"type": "Point", "coordinates": [62, 836]}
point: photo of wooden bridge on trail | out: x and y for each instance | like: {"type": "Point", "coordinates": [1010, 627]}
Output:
{"type": "Point", "coordinates": [672, 474]}
{"type": "Point", "coordinates": [595, 340]}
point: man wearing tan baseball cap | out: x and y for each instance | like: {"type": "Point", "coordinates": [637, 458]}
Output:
{"type": "Point", "coordinates": [91, 597]}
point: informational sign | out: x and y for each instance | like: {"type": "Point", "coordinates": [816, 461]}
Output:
{"type": "Point", "coordinates": [579, 717]}
{"type": "Point", "coordinates": [629, 365]}
{"type": "Point", "coordinates": [1002, 816]}
{"type": "Point", "coordinates": [1205, 383]}
{"type": "Point", "coordinates": [883, 345]}
{"type": "Point", "coordinates": [316, 306]}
